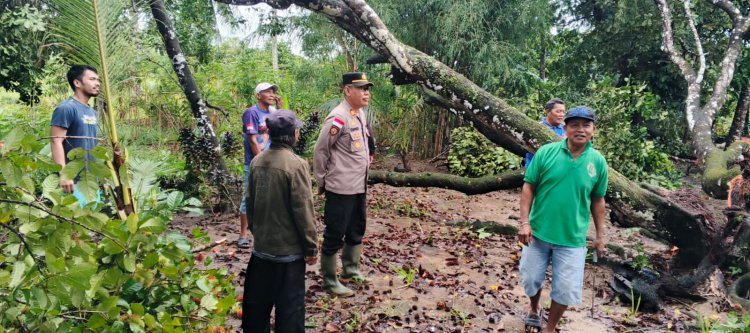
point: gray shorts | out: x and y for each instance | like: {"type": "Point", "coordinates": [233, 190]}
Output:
{"type": "Point", "coordinates": [567, 270]}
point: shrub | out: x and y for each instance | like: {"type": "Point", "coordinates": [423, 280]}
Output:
{"type": "Point", "coordinates": [473, 155]}
{"type": "Point", "coordinates": [64, 268]}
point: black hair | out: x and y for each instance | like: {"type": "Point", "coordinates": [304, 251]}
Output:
{"type": "Point", "coordinates": [551, 104]}
{"type": "Point", "coordinates": [283, 139]}
{"type": "Point", "coordinates": [76, 73]}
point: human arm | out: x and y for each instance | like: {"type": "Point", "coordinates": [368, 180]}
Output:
{"type": "Point", "coordinates": [598, 206]}
{"type": "Point", "coordinates": [57, 135]}
{"type": "Point", "coordinates": [322, 151]}
{"type": "Point", "coordinates": [597, 211]}
{"type": "Point", "coordinates": [255, 147]}
{"type": "Point", "coordinates": [302, 211]}
{"type": "Point", "coordinates": [527, 198]}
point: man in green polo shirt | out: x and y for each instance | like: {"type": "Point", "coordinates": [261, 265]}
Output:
{"type": "Point", "coordinates": [566, 183]}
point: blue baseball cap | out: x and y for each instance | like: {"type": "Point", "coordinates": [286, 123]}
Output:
{"type": "Point", "coordinates": [584, 112]}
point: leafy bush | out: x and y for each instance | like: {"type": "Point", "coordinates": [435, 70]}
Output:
{"type": "Point", "coordinates": [472, 155]}
{"type": "Point", "coordinates": [622, 136]}
{"type": "Point", "coordinates": [64, 268]}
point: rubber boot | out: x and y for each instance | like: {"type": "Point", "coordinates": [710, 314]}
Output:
{"type": "Point", "coordinates": [330, 282]}
{"type": "Point", "coordinates": [350, 262]}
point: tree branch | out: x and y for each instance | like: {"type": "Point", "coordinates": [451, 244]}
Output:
{"type": "Point", "coordinates": [729, 8]}
{"type": "Point", "coordinates": [728, 64]}
{"type": "Point", "coordinates": [63, 218]}
{"type": "Point", "coordinates": [37, 260]}
{"type": "Point", "coordinates": [668, 42]}
{"type": "Point", "coordinates": [219, 108]}
{"type": "Point", "coordinates": [469, 186]}
{"type": "Point", "coordinates": [698, 44]}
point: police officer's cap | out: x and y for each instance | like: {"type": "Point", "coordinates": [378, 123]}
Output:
{"type": "Point", "coordinates": [357, 79]}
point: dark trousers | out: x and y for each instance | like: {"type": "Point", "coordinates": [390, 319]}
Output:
{"type": "Point", "coordinates": [345, 219]}
{"type": "Point", "coordinates": [268, 284]}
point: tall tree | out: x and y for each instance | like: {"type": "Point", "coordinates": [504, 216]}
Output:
{"type": "Point", "coordinates": [218, 173]}
{"type": "Point", "coordinates": [693, 65]}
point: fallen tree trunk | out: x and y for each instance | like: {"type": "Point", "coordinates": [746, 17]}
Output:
{"type": "Point", "coordinates": [470, 186]}
{"type": "Point", "coordinates": [498, 121]}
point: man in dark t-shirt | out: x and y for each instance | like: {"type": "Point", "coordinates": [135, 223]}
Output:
{"type": "Point", "coordinates": [74, 122]}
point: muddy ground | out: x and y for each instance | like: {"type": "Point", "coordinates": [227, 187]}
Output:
{"type": "Point", "coordinates": [439, 264]}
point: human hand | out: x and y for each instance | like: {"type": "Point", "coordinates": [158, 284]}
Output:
{"type": "Point", "coordinates": [279, 104]}
{"type": "Point", "coordinates": [599, 244]}
{"type": "Point", "coordinates": [524, 233]}
{"type": "Point", "coordinates": [372, 158]}
{"type": "Point", "coordinates": [311, 260]}
{"type": "Point", "coordinates": [66, 185]}
{"type": "Point", "coordinates": [322, 190]}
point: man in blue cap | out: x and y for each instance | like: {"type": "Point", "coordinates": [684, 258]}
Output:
{"type": "Point", "coordinates": [564, 185]}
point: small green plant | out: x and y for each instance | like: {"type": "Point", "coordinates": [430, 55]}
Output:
{"type": "Point", "coordinates": [640, 261]}
{"type": "Point", "coordinates": [354, 323]}
{"type": "Point", "coordinates": [634, 306]}
{"type": "Point", "coordinates": [482, 233]}
{"type": "Point", "coordinates": [407, 274]}
{"type": "Point", "coordinates": [406, 208]}
{"type": "Point", "coordinates": [462, 317]}
{"type": "Point", "coordinates": [733, 324]}
{"type": "Point", "coordinates": [472, 155]}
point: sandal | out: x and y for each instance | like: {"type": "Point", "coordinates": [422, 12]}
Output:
{"type": "Point", "coordinates": [243, 243]}
{"type": "Point", "coordinates": [532, 323]}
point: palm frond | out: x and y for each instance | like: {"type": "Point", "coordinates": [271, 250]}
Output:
{"type": "Point", "coordinates": [100, 33]}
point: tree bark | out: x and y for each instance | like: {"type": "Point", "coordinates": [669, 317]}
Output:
{"type": "Point", "coordinates": [470, 186]}
{"type": "Point", "coordinates": [700, 117]}
{"type": "Point", "coordinates": [218, 172]}
{"type": "Point", "coordinates": [740, 116]}
{"type": "Point", "coordinates": [493, 117]}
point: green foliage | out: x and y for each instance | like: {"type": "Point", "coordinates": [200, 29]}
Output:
{"type": "Point", "coordinates": [622, 135]}
{"type": "Point", "coordinates": [64, 268]}
{"type": "Point", "coordinates": [497, 44]}
{"type": "Point", "coordinates": [472, 155]}
{"type": "Point", "coordinates": [22, 34]}
{"type": "Point", "coordinates": [733, 324]}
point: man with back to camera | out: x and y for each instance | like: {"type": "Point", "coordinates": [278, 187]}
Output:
{"type": "Point", "coordinates": [74, 123]}
{"type": "Point", "coordinates": [566, 183]}
{"type": "Point", "coordinates": [279, 202]}
{"type": "Point", "coordinates": [255, 141]}
{"type": "Point", "coordinates": [341, 159]}
{"type": "Point", "coordinates": [554, 111]}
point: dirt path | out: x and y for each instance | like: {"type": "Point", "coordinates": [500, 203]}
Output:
{"type": "Point", "coordinates": [432, 272]}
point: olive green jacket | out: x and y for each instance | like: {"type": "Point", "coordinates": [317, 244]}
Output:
{"type": "Point", "coordinates": [279, 203]}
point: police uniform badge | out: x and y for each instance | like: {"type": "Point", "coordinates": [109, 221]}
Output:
{"type": "Point", "coordinates": [336, 126]}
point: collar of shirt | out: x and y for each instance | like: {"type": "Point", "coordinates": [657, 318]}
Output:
{"type": "Point", "coordinates": [546, 123]}
{"type": "Point", "coordinates": [564, 145]}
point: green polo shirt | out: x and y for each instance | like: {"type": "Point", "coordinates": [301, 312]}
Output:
{"type": "Point", "coordinates": [564, 188]}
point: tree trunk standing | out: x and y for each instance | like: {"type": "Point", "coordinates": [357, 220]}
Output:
{"type": "Point", "coordinates": [217, 173]}
{"type": "Point", "coordinates": [740, 116]}
{"type": "Point", "coordinates": [700, 118]}
{"type": "Point", "coordinates": [494, 118]}
{"type": "Point", "coordinates": [274, 46]}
